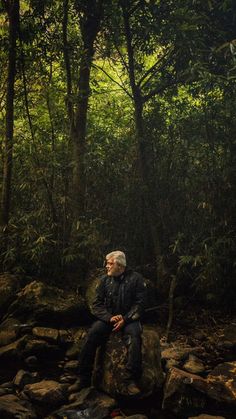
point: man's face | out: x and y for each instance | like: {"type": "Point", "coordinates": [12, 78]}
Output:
{"type": "Point", "coordinates": [113, 268]}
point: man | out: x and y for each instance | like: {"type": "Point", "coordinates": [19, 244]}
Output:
{"type": "Point", "coordinates": [118, 306]}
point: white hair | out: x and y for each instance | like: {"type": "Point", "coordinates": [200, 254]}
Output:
{"type": "Point", "coordinates": [118, 257]}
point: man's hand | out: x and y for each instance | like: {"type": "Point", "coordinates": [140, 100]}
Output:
{"type": "Point", "coordinates": [118, 325]}
{"type": "Point", "coordinates": [116, 318]}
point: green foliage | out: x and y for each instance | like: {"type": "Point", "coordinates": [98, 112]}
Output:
{"type": "Point", "coordinates": [185, 51]}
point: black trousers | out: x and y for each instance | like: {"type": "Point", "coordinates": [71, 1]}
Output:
{"type": "Point", "coordinates": [98, 334]}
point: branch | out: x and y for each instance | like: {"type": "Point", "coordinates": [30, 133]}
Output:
{"type": "Point", "coordinates": [152, 70]}
{"type": "Point", "coordinates": [111, 78]}
{"type": "Point", "coordinates": [160, 89]}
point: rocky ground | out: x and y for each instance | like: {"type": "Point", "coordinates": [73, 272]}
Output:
{"type": "Point", "coordinates": [41, 331]}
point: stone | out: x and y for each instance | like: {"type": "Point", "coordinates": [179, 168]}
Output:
{"type": "Point", "coordinates": [194, 365]}
{"type": "Point", "coordinates": [7, 336]}
{"type": "Point", "coordinates": [205, 416]}
{"type": "Point", "coordinates": [46, 392]}
{"type": "Point", "coordinates": [170, 363]}
{"type": "Point", "coordinates": [49, 306]}
{"type": "Point", "coordinates": [73, 352]}
{"type": "Point", "coordinates": [9, 331]}
{"type": "Point", "coordinates": [71, 366]}
{"type": "Point", "coordinates": [68, 378]}
{"type": "Point", "coordinates": [181, 393]}
{"type": "Point", "coordinates": [222, 383]}
{"type": "Point", "coordinates": [189, 394]}
{"type": "Point", "coordinates": [78, 337]}
{"type": "Point", "coordinates": [90, 403]}
{"type": "Point", "coordinates": [177, 353]}
{"type": "Point", "coordinates": [228, 340]}
{"type": "Point", "coordinates": [12, 352]}
{"type": "Point", "coordinates": [110, 364]}
{"type": "Point", "coordinates": [12, 407]}
{"type": "Point", "coordinates": [64, 336]}
{"type": "Point", "coordinates": [41, 349]}
{"type": "Point", "coordinates": [25, 377]}
{"type": "Point", "coordinates": [46, 333]}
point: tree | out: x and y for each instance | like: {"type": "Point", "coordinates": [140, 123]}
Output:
{"type": "Point", "coordinates": [12, 9]}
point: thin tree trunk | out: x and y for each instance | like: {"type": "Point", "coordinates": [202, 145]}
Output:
{"type": "Point", "coordinates": [12, 7]}
{"type": "Point", "coordinates": [142, 143]}
{"type": "Point", "coordinates": [90, 15]}
{"type": "Point", "coordinates": [171, 306]}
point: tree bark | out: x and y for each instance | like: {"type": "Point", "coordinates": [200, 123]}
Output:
{"type": "Point", "coordinates": [144, 153]}
{"type": "Point", "coordinates": [12, 8]}
{"type": "Point", "coordinates": [90, 15]}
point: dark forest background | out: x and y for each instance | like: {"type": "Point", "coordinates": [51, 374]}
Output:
{"type": "Point", "coordinates": [118, 130]}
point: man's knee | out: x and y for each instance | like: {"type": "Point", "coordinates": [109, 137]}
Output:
{"type": "Point", "coordinates": [133, 329]}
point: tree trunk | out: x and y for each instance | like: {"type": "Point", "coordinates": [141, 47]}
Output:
{"type": "Point", "coordinates": [144, 153]}
{"type": "Point", "coordinates": [12, 8]}
{"type": "Point", "coordinates": [90, 15]}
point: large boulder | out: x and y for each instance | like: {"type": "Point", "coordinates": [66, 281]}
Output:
{"type": "Point", "coordinates": [110, 364]}
{"type": "Point", "coordinates": [189, 394]}
{"type": "Point", "coordinates": [184, 393]}
{"type": "Point", "coordinates": [42, 304]}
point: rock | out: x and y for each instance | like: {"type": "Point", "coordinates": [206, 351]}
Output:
{"type": "Point", "coordinates": [9, 286]}
{"type": "Point", "coordinates": [25, 377]}
{"type": "Point", "coordinates": [9, 331]}
{"type": "Point", "coordinates": [7, 336]}
{"type": "Point", "coordinates": [90, 403]}
{"type": "Point", "coordinates": [177, 353]}
{"type": "Point", "coordinates": [228, 339]}
{"type": "Point", "coordinates": [205, 416]}
{"type": "Point", "coordinates": [6, 388]}
{"type": "Point", "coordinates": [189, 394]}
{"type": "Point", "coordinates": [68, 378]}
{"type": "Point", "coordinates": [71, 366]}
{"type": "Point", "coordinates": [41, 349]}
{"type": "Point", "coordinates": [181, 395]}
{"type": "Point", "coordinates": [48, 305]}
{"type": "Point", "coordinates": [12, 407]}
{"type": "Point", "coordinates": [46, 392]}
{"type": "Point", "coordinates": [78, 338]}
{"type": "Point", "coordinates": [110, 365]}
{"type": "Point", "coordinates": [199, 335]}
{"type": "Point", "coordinates": [12, 352]}
{"type": "Point", "coordinates": [222, 383]}
{"type": "Point", "coordinates": [170, 363]}
{"type": "Point", "coordinates": [46, 333]}
{"type": "Point", "coordinates": [65, 336]}
{"type": "Point", "coordinates": [8, 384]}
{"type": "Point", "coordinates": [194, 365]}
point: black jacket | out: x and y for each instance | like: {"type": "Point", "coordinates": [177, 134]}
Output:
{"type": "Point", "coordinates": [124, 295]}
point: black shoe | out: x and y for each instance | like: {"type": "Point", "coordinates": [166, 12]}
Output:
{"type": "Point", "coordinates": [80, 383]}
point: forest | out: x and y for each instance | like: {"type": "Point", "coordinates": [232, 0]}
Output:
{"type": "Point", "coordinates": [118, 131]}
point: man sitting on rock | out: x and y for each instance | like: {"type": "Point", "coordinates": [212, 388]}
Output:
{"type": "Point", "coordinates": [118, 306]}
